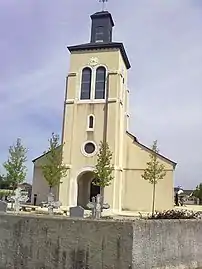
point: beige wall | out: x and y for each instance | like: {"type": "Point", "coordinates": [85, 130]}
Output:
{"type": "Point", "coordinates": [137, 192]}
{"type": "Point", "coordinates": [40, 185]}
{"type": "Point", "coordinates": [137, 156]}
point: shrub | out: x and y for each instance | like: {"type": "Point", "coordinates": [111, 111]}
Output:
{"type": "Point", "coordinates": [4, 193]}
{"type": "Point", "coordinates": [176, 214]}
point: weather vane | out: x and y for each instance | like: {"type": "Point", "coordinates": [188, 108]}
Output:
{"type": "Point", "coordinates": [103, 4]}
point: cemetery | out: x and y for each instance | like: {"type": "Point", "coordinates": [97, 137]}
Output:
{"type": "Point", "coordinates": [17, 204]}
{"type": "Point", "coordinates": [80, 240]}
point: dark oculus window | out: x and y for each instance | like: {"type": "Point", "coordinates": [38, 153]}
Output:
{"type": "Point", "coordinates": [100, 83]}
{"type": "Point", "coordinates": [99, 34]}
{"type": "Point", "coordinates": [89, 148]}
{"type": "Point", "coordinates": [86, 83]}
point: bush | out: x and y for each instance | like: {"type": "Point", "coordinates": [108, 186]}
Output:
{"type": "Point", "coordinates": [176, 214]}
{"type": "Point", "coordinates": [4, 193]}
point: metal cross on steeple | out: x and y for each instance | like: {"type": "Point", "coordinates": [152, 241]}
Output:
{"type": "Point", "coordinates": [103, 4]}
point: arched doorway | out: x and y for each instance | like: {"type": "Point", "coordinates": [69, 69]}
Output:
{"type": "Point", "coordinates": [86, 190]}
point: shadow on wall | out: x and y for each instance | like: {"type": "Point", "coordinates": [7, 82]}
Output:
{"type": "Point", "coordinates": [79, 259]}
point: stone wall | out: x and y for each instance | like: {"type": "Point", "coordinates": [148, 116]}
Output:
{"type": "Point", "coordinates": [31, 242]}
{"type": "Point", "coordinates": [28, 242]}
{"type": "Point", "coordinates": [167, 244]}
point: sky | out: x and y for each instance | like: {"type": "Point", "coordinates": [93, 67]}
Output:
{"type": "Point", "coordinates": [164, 44]}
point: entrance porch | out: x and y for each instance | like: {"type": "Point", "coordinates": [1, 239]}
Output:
{"type": "Point", "coordinates": [86, 188]}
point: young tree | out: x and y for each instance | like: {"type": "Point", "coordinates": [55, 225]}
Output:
{"type": "Point", "coordinates": [4, 183]}
{"type": "Point", "coordinates": [1, 181]}
{"type": "Point", "coordinates": [198, 193]}
{"type": "Point", "coordinates": [103, 168]}
{"type": "Point", "coordinates": [15, 165]}
{"type": "Point", "coordinates": [53, 168]}
{"type": "Point", "coordinates": [154, 172]}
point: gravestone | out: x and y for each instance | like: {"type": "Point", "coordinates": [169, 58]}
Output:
{"type": "Point", "coordinates": [3, 206]}
{"type": "Point", "coordinates": [18, 198]}
{"type": "Point", "coordinates": [76, 212]}
{"type": "Point", "coordinates": [51, 204]}
{"type": "Point", "coordinates": [57, 204]}
{"type": "Point", "coordinates": [96, 208]}
{"type": "Point", "coordinates": [91, 206]}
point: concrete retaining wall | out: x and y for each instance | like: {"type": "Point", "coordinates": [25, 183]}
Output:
{"type": "Point", "coordinates": [59, 243]}
{"type": "Point", "coordinates": [167, 244]}
{"type": "Point", "coordinates": [28, 242]}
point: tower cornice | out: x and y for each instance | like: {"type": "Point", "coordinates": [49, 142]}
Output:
{"type": "Point", "coordinates": [99, 46]}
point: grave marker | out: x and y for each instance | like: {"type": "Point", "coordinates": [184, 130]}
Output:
{"type": "Point", "coordinates": [52, 204]}
{"type": "Point", "coordinates": [76, 212]}
{"type": "Point", "coordinates": [96, 208]}
{"type": "Point", "coordinates": [18, 198]}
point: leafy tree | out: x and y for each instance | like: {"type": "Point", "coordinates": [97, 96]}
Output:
{"type": "Point", "coordinates": [154, 172]}
{"type": "Point", "coordinates": [198, 193]}
{"type": "Point", "coordinates": [53, 168]}
{"type": "Point", "coordinates": [4, 183]}
{"type": "Point", "coordinates": [1, 181]}
{"type": "Point", "coordinates": [15, 165]}
{"type": "Point", "coordinates": [103, 168]}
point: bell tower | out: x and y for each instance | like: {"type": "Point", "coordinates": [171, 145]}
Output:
{"type": "Point", "coordinates": [96, 83]}
{"type": "Point", "coordinates": [101, 30]}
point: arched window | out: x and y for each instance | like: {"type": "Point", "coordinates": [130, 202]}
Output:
{"type": "Point", "coordinates": [100, 83]}
{"type": "Point", "coordinates": [86, 83]}
{"type": "Point", "coordinates": [91, 122]}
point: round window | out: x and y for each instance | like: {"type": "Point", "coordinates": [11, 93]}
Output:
{"type": "Point", "coordinates": [89, 148]}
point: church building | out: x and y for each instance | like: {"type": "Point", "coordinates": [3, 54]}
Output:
{"type": "Point", "coordinates": [96, 104]}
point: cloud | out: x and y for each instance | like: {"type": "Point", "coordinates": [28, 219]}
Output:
{"type": "Point", "coordinates": [163, 41]}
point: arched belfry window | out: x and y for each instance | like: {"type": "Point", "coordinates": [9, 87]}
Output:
{"type": "Point", "coordinates": [99, 34]}
{"type": "Point", "coordinates": [86, 83]}
{"type": "Point", "coordinates": [100, 83]}
{"type": "Point", "coordinates": [91, 122]}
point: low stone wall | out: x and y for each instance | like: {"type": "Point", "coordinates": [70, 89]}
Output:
{"type": "Point", "coordinates": [167, 244]}
{"type": "Point", "coordinates": [32, 242]}
{"type": "Point", "coordinates": [28, 242]}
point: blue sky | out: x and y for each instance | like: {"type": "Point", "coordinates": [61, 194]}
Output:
{"type": "Point", "coordinates": [164, 44]}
